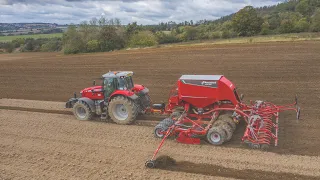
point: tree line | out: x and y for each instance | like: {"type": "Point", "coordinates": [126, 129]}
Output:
{"type": "Point", "coordinates": [100, 35]}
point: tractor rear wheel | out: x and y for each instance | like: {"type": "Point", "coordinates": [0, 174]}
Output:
{"type": "Point", "coordinates": [216, 135]}
{"type": "Point", "coordinates": [82, 111]}
{"type": "Point", "coordinates": [228, 119]}
{"type": "Point", "coordinates": [122, 110]}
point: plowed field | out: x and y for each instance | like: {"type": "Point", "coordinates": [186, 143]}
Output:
{"type": "Point", "coordinates": [41, 140]}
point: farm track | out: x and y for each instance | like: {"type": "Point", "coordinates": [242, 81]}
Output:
{"type": "Point", "coordinates": [47, 145]}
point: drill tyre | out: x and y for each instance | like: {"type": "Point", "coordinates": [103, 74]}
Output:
{"type": "Point", "coordinates": [264, 147]}
{"type": "Point", "coordinates": [159, 130]}
{"type": "Point", "coordinates": [216, 135]}
{"type": "Point", "coordinates": [175, 115]}
{"type": "Point", "coordinates": [228, 130]}
{"type": "Point", "coordinates": [167, 122]}
{"type": "Point", "coordinates": [218, 123]}
{"type": "Point", "coordinates": [228, 119]}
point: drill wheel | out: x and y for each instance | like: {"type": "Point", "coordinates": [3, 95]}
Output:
{"type": "Point", "coordinates": [150, 164]}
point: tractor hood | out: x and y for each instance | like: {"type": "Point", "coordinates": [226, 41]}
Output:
{"type": "Point", "coordinates": [138, 87]}
{"type": "Point", "coordinates": [140, 90]}
{"type": "Point", "coordinates": [94, 93]}
{"type": "Point", "coordinates": [89, 89]}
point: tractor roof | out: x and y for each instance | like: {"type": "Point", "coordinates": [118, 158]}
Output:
{"type": "Point", "coordinates": [117, 74]}
{"type": "Point", "coordinates": [201, 77]}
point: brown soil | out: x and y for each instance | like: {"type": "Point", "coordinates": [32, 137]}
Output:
{"type": "Point", "coordinates": [52, 146]}
{"type": "Point", "coordinates": [271, 71]}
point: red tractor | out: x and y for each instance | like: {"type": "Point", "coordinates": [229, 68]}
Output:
{"type": "Point", "coordinates": [208, 107]}
{"type": "Point", "coordinates": [117, 97]}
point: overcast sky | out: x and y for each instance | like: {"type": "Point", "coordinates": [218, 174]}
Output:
{"type": "Point", "coordinates": [142, 11]}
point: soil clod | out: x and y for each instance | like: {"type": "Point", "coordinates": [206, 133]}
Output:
{"type": "Point", "coordinates": [165, 161]}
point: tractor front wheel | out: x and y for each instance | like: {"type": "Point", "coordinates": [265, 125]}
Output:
{"type": "Point", "coordinates": [122, 110]}
{"type": "Point", "coordinates": [82, 111]}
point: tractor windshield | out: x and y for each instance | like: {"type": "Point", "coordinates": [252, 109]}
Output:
{"type": "Point", "coordinates": [125, 83]}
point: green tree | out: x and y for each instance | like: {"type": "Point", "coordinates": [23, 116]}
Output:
{"type": "Point", "coordinates": [164, 38]}
{"type": "Point", "coordinates": [190, 33]}
{"type": "Point", "coordinates": [226, 34]}
{"type": "Point", "coordinates": [110, 39]}
{"type": "Point", "coordinates": [315, 21]}
{"type": "Point", "coordinates": [203, 32]}
{"type": "Point", "coordinates": [143, 39]}
{"type": "Point", "coordinates": [216, 35]}
{"type": "Point", "coordinates": [303, 7]}
{"type": "Point", "coordinates": [72, 41]}
{"type": "Point", "coordinates": [289, 5]}
{"type": "Point", "coordinates": [227, 31]}
{"type": "Point", "coordinates": [314, 3]}
{"type": "Point", "coordinates": [227, 25]}
{"type": "Point", "coordinates": [30, 45]}
{"type": "Point", "coordinates": [288, 21]}
{"type": "Point", "coordinates": [9, 47]}
{"type": "Point", "coordinates": [302, 25]}
{"type": "Point", "coordinates": [52, 45]}
{"type": "Point", "coordinates": [274, 21]}
{"type": "Point", "coordinates": [246, 22]}
{"type": "Point", "coordinates": [18, 42]}
{"type": "Point", "coordinates": [93, 46]}
{"type": "Point", "coordinates": [132, 29]}
{"type": "Point", "coordinates": [287, 26]}
{"type": "Point", "coordinates": [88, 32]}
{"type": "Point", "coordinates": [265, 28]}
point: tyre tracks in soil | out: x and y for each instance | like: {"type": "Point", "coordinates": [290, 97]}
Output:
{"type": "Point", "coordinates": [229, 169]}
{"type": "Point", "coordinates": [53, 107]}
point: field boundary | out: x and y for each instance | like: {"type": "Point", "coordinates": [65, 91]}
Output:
{"type": "Point", "coordinates": [35, 36]}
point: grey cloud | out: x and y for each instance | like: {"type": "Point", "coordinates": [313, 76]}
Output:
{"type": "Point", "coordinates": [142, 11]}
{"type": "Point", "coordinates": [128, 9]}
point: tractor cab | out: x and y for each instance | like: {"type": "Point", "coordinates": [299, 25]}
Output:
{"type": "Point", "coordinates": [113, 81]}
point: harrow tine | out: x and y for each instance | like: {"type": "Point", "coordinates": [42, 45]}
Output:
{"type": "Point", "coordinates": [152, 162]}
{"type": "Point", "coordinates": [298, 113]}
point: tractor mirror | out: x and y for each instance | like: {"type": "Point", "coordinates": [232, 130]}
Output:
{"type": "Point", "coordinates": [241, 97]}
{"type": "Point", "coordinates": [94, 82]}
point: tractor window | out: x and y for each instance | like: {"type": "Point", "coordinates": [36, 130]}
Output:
{"type": "Point", "coordinates": [129, 82]}
{"type": "Point", "coordinates": [109, 86]}
{"type": "Point", "coordinates": [125, 83]}
{"type": "Point", "coordinates": [121, 84]}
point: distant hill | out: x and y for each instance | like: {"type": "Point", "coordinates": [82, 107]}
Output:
{"type": "Point", "coordinates": [292, 16]}
{"type": "Point", "coordinates": [303, 7]}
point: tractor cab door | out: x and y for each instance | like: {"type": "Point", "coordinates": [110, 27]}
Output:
{"type": "Point", "coordinates": [109, 86]}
